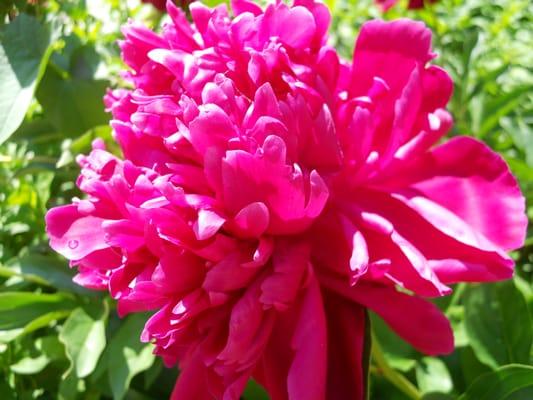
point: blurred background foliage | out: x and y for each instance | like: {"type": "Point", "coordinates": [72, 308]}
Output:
{"type": "Point", "coordinates": [59, 341]}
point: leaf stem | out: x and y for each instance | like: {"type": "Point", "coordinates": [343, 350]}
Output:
{"type": "Point", "coordinates": [397, 379]}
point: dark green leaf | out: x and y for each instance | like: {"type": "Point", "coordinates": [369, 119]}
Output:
{"type": "Point", "coordinates": [399, 354]}
{"type": "Point", "coordinates": [127, 355]}
{"type": "Point", "coordinates": [254, 391]}
{"type": "Point", "coordinates": [51, 347]}
{"type": "Point", "coordinates": [72, 105]}
{"type": "Point", "coordinates": [17, 309]}
{"type": "Point", "coordinates": [498, 324]}
{"type": "Point", "coordinates": [506, 383]}
{"type": "Point", "coordinates": [55, 272]}
{"type": "Point", "coordinates": [438, 396]}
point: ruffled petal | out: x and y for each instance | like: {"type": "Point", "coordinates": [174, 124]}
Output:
{"type": "Point", "coordinates": [424, 326]}
{"type": "Point", "coordinates": [466, 177]}
{"type": "Point", "coordinates": [72, 234]}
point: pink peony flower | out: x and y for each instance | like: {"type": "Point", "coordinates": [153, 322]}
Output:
{"type": "Point", "coordinates": [413, 4]}
{"type": "Point", "coordinates": [271, 192]}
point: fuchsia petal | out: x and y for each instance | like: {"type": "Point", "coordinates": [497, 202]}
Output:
{"type": "Point", "coordinates": [472, 181]}
{"type": "Point", "coordinates": [284, 369]}
{"type": "Point", "coordinates": [346, 346]}
{"type": "Point", "coordinates": [192, 382]}
{"type": "Point", "coordinates": [242, 6]}
{"type": "Point", "coordinates": [389, 51]}
{"type": "Point", "coordinates": [290, 262]}
{"type": "Point", "coordinates": [72, 234]}
{"type": "Point", "coordinates": [309, 344]}
{"type": "Point", "coordinates": [271, 192]}
{"type": "Point", "coordinates": [278, 18]}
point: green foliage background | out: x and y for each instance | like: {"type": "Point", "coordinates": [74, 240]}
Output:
{"type": "Point", "coordinates": [59, 341]}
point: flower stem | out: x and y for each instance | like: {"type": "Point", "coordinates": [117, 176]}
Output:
{"type": "Point", "coordinates": [397, 379]}
{"type": "Point", "coordinates": [456, 297]}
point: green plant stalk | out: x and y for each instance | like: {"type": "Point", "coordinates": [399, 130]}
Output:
{"type": "Point", "coordinates": [383, 368]}
{"type": "Point", "coordinates": [456, 297]}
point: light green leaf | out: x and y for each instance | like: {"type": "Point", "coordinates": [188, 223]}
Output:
{"type": "Point", "coordinates": [510, 382]}
{"type": "Point", "coordinates": [17, 309]}
{"type": "Point", "coordinates": [502, 106]}
{"type": "Point", "coordinates": [30, 366]}
{"type": "Point", "coordinates": [331, 4]}
{"type": "Point", "coordinates": [214, 3]}
{"type": "Point", "coordinates": [24, 52]}
{"type": "Point", "coordinates": [39, 322]}
{"type": "Point", "coordinates": [498, 324]}
{"type": "Point", "coordinates": [127, 355]}
{"type": "Point", "coordinates": [84, 340]}
{"type": "Point", "coordinates": [433, 376]}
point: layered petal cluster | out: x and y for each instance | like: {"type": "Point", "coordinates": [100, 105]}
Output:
{"type": "Point", "coordinates": [272, 192]}
{"type": "Point", "coordinates": [413, 4]}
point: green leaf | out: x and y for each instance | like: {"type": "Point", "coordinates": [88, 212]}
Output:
{"type": "Point", "coordinates": [498, 324]}
{"type": "Point", "coordinates": [70, 386]}
{"type": "Point", "coordinates": [527, 291]}
{"type": "Point", "coordinates": [438, 396]}
{"type": "Point", "coordinates": [127, 356]}
{"type": "Point", "coordinates": [470, 365]}
{"type": "Point", "coordinates": [502, 106]}
{"type": "Point", "coordinates": [73, 106]}
{"type": "Point", "coordinates": [45, 320]}
{"type": "Point", "coordinates": [24, 52]}
{"type": "Point", "coordinates": [254, 391]}
{"type": "Point", "coordinates": [30, 366]}
{"type": "Point", "coordinates": [506, 383]}
{"type": "Point", "coordinates": [53, 271]}
{"type": "Point", "coordinates": [151, 375]}
{"type": "Point", "coordinates": [490, 77]}
{"type": "Point", "coordinates": [6, 392]}
{"type": "Point", "coordinates": [331, 4]}
{"type": "Point", "coordinates": [521, 134]}
{"type": "Point", "coordinates": [398, 353]}
{"type": "Point", "coordinates": [51, 347]}
{"type": "Point", "coordinates": [433, 376]}
{"type": "Point", "coordinates": [386, 371]}
{"type": "Point", "coordinates": [17, 309]}
{"type": "Point", "coordinates": [214, 3]}
{"type": "Point", "coordinates": [84, 340]}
